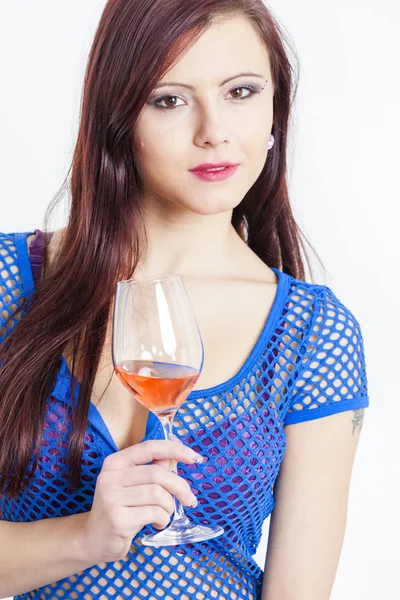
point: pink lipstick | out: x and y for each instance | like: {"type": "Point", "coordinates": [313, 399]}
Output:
{"type": "Point", "coordinates": [214, 172]}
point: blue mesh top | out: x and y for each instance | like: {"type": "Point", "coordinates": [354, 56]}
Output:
{"type": "Point", "coordinates": [307, 363]}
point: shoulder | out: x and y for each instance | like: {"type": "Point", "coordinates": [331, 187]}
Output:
{"type": "Point", "coordinates": [16, 266]}
{"type": "Point", "coordinates": [14, 258]}
{"type": "Point", "coordinates": [7, 238]}
{"type": "Point", "coordinates": [325, 307]}
{"type": "Point", "coordinates": [12, 246]}
{"type": "Point", "coordinates": [330, 327]}
{"type": "Point", "coordinates": [337, 332]}
{"type": "Point", "coordinates": [13, 268]}
{"type": "Point", "coordinates": [15, 242]}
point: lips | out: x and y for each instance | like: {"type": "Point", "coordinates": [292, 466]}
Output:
{"type": "Point", "coordinates": [213, 167]}
{"type": "Point", "coordinates": [214, 173]}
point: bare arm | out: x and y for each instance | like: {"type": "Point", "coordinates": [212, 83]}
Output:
{"type": "Point", "coordinates": [308, 522]}
{"type": "Point", "coordinates": [40, 552]}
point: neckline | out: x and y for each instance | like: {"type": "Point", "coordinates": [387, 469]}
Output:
{"type": "Point", "coordinates": [62, 386]}
{"type": "Point", "coordinates": [270, 324]}
{"type": "Point", "coordinates": [273, 315]}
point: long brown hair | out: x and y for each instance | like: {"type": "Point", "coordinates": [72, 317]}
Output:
{"type": "Point", "coordinates": [136, 43]}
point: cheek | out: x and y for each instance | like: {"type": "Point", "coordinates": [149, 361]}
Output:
{"type": "Point", "coordinates": [156, 163]}
{"type": "Point", "coordinates": [259, 145]}
{"type": "Point", "coordinates": [257, 157]}
{"type": "Point", "coordinates": [141, 147]}
{"type": "Point", "coordinates": [256, 135]}
{"type": "Point", "coordinates": [263, 138]}
{"type": "Point", "coordinates": [155, 150]}
{"type": "Point", "coordinates": [146, 154]}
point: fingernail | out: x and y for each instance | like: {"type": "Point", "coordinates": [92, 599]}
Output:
{"type": "Point", "coordinates": [194, 502]}
{"type": "Point", "coordinates": [194, 456]}
{"type": "Point", "coordinates": [198, 458]}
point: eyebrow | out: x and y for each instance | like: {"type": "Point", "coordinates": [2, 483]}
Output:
{"type": "Point", "coordinates": [191, 87]}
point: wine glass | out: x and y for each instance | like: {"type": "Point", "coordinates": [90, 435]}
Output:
{"type": "Point", "coordinates": [158, 355]}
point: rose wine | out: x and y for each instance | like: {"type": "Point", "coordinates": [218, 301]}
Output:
{"type": "Point", "coordinates": [160, 387]}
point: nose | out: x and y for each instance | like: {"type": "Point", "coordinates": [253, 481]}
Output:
{"type": "Point", "coordinates": [211, 129]}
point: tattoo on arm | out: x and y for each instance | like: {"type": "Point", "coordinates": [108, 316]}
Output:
{"type": "Point", "coordinates": [358, 418]}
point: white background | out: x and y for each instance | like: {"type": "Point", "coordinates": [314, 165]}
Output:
{"type": "Point", "coordinates": [344, 188]}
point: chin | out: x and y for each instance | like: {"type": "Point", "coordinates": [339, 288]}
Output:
{"type": "Point", "coordinates": [208, 204]}
{"type": "Point", "coordinates": [211, 208]}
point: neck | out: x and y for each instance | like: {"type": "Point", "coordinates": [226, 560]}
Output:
{"type": "Point", "coordinates": [183, 242]}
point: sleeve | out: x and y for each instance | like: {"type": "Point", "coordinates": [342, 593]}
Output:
{"type": "Point", "coordinates": [10, 284]}
{"type": "Point", "coordinates": [333, 375]}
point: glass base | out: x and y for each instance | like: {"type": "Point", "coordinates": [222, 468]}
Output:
{"type": "Point", "coordinates": [182, 531]}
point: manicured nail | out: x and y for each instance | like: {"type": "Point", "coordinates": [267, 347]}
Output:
{"type": "Point", "coordinates": [199, 459]}
{"type": "Point", "coordinates": [194, 456]}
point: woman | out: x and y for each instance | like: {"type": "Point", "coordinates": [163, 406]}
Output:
{"type": "Point", "coordinates": [173, 90]}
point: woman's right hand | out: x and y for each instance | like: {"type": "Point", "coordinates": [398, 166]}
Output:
{"type": "Point", "coordinates": [130, 494]}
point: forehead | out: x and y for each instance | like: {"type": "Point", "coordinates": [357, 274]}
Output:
{"type": "Point", "coordinates": [228, 46]}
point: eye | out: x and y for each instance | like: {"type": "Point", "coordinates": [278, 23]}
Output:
{"type": "Point", "coordinates": [244, 87]}
{"type": "Point", "coordinates": [168, 105]}
{"type": "Point", "coordinates": [157, 103]}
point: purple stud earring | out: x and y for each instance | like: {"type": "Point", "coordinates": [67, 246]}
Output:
{"type": "Point", "coordinates": [271, 141]}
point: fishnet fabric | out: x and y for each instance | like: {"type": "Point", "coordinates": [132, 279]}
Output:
{"type": "Point", "coordinates": [333, 364]}
{"type": "Point", "coordinates": [307, 363]}
{"type": "Point", "coordinates": [11, 292]}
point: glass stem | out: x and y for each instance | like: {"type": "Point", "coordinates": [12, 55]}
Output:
{"type": "Point", "coordinates": [166, 422]}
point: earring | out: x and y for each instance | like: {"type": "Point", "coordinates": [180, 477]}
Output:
{"type": "Point", "coordinates": [271, 141]}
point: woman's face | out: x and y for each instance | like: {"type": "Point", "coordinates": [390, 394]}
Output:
{"type": "Point", "coordinates": [212, 122]}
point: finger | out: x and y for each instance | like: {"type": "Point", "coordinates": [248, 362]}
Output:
{"type": "Point", "coordinates": [146, 475]}
{"type": "Point", "coordinates": [170, 464]}
{"type": "Point", "coordinates": [164, 463]}
{"type": "Point", "coordinates": [146, 452]}
{"type": "Point", "coordinates": [149, 495]}
{"type": "Point", "coordinates": [154, 515]}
